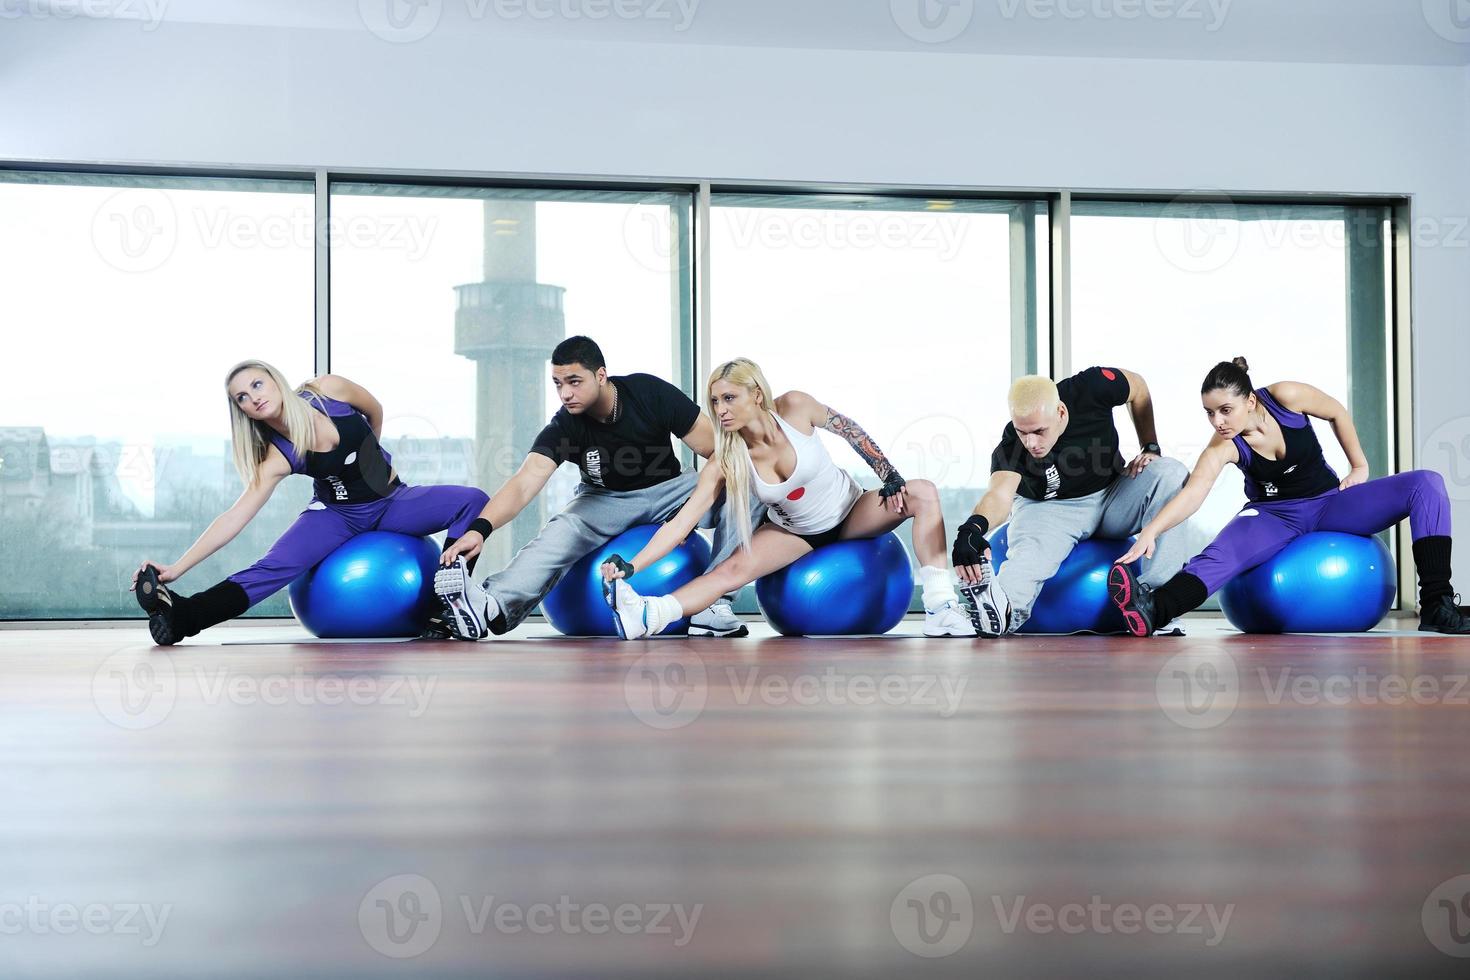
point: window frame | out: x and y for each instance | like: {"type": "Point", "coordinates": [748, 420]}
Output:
{"type": "Point", "coordinates": [1056, 326]}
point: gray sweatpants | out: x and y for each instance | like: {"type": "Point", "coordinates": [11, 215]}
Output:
{"type": "Point", "coordinates": [1044, 532]}
{"type": "Point", "coordinates": [593, 518]}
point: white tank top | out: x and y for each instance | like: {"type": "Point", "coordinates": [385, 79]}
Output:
{"type": "Point", "coordinates": [816, 497]}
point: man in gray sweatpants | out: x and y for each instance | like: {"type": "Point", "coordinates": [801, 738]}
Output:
{"type": "Point", "coordinates": [620, 432]}
{"type": "Point", "coordinates": [1059, 477]}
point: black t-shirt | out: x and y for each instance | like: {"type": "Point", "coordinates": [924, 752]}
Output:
{"type": "Point", "coordinates": [1302, 472]}
{"type": "Point", "coordinates": [632, 453]}
{"type": "Point", "coordinates": [1086, 458]}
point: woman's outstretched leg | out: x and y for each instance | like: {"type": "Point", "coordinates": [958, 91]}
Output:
{"type": "Point", "coordinates": [1251, 537]}
{"type": "Point", "coordinates": [770, 548]}
{"type": "Point", "coordinates": [172, 617]}
{"type": "Point", "coordinates": [310, 538]}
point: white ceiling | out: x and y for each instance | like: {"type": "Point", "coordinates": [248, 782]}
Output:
{"type": "Point", "coordinates": [1413, 32]}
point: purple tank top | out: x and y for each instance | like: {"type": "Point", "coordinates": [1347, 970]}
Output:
{"type": "Point", "coordinates": [356, 471]}
{"type": "Point", "coordinates": [1301, 472]}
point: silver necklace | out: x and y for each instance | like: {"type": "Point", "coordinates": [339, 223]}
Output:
{"type": "Point", "coordinates": [616, 408]}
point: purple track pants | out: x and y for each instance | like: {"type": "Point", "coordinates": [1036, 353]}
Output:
{"type": "Point", "coordinates": [1262, 529]}
{"type": "Point", "coordinates": [321, 528]}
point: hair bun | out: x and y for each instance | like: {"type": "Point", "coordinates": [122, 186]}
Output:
{"type": "Point", "coordinates": [1240, 363]}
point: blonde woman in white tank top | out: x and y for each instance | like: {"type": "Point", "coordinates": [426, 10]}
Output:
{"type": "Point", "coordinates": [769, 447]}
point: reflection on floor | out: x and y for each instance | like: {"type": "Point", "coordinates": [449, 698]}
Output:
{"type": "Point", "coordinates": [1216, 804]}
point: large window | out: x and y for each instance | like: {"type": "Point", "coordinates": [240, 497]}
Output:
{"type": "Point", "coordinates": [125, 301]}
{"type": "Point", "coordinates": [910, 316]}
{"type": "Point", "coordinates": [1169, 290]}
{"type": "Point", "coordinates": [447, 302]}
{"type": "Point", "coordinates": [126, 297]}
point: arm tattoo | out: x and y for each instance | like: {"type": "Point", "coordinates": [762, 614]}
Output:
{"type": "Point", "coordinates": [861, 442]}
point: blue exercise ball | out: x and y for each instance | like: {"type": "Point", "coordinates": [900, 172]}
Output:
{"type": "Point", "coordinates": [378, 583]}
{"type": "Point", "coordinates": [576, 606]}
{"type": "Point", "coordinates": [842, 589]}
{"type": "Point", "coordinates": [1323, 582]}
{"type": "Point", "coordinates": [1075, 599]}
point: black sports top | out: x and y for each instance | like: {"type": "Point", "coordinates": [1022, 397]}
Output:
{"type": "Point", "coordinates": [358, 470]}
{"type": "Point", "coordinates": [1302, 472]}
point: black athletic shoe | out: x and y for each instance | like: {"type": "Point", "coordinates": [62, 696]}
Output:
{"type": "Point", "coordinates": [158, 602]}
{"type": "Point", "coordinates": [1444, 615]}
{"type": "Point", "coordinates": [1133, 599]}
{"type": "Point", "coordinates": [436, 629]}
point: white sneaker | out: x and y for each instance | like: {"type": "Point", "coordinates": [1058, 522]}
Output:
{"type": "Point", "coordinates": [630, 610]}
{"type": "Point", "coordinates": [467, 607]}
{"type": "Point", "coordinates": [718, 620]}
{"type": "Point", "coordinates": [990, 609]}
{"type": "Point", "coordinates": [948, 620]}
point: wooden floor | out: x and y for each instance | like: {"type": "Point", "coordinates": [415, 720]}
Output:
{"type": "Point", "coordinates": [825, 807]}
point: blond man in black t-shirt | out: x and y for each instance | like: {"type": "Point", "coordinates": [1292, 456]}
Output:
{"type": "Point", "coordinates": [1058, 477]}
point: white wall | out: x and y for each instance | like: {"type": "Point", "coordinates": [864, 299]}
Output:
{"type": "Point", "coordinates": [206, 94]}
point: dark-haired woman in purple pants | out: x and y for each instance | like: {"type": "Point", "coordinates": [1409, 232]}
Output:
{"type": "Point", "coordinates": [1267, 432]}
